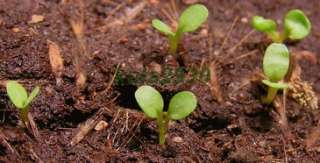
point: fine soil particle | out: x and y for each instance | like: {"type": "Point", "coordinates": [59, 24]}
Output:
{"type": "Point", "coordinates": [124, 50]}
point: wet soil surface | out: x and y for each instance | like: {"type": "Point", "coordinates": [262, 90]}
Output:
{"type": "Point", "coordinates": [118, 38]}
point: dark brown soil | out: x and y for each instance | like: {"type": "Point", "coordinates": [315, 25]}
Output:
{"type": "Point", "coordinates": [239, 130]}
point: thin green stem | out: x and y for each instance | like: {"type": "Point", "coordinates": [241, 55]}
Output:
{"type": "Point", "coordinates": [276, 36]}
{"type": "Point", "coordinates": [173, 45]}
{"type": "Point", "coordinates": [272, 92]}
{"type": "Point", "coordinates": [174, 42]}
{"type": "Point", "coordinates": [161, 130]}
{"type": "Point", "coordinates": [163, 122]}
{"type": "Point", "coordinates": [166, 121]}
{"type": "Point", "coordinates": [24, 114]}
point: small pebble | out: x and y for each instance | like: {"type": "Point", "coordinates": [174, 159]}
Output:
{"type": "Point", "coordinates": [263, 143]}
{"type": "Point", "coordinates": [279, 21]}
{"type": "Point", "coordinates": [155, 67]}
{"type": "Point", "coordinates": [244, 20]}
{"type": "Point", "coordinates": [177, 139]}
{"type": "Point", "coordinates": [204, 32]}
{"type": "Point", "coordinates": [228, 103]}
{"type": "Point", "coordinates": [36, 19]}
{"type": "Point", "coordinates": [216, 52]}
{"type": "Point", "coordinates": [101, 125]}
{"type": "Point", "coordinates": [15, 29]}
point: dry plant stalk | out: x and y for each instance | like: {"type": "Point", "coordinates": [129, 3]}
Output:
{"type": "Point", "coordinates": [56, 61]}
{"type": "Point", "coordinates": [81, 78]}
{"type": "Point", "coordinates": [87, 126]}
{"type": "Point", "coordinates": [214, 83]}
{"type": "Point", "coordinates": [281, 110]}
{"type": "Point", "coordinates": [78, 27]}
{"type": "Point", "coordinates": [32, 126]}
{"type": "Point", "coordinates": [78, 30]}
{"type": "Point", "coordinates": [134, 12]}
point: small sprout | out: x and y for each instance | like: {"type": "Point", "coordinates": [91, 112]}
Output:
{"type": "Point", "coordinates": [275, 67]}
{"type": "Point", "coordinates": [19, 97]}
{"type": "Point", "coordinates": [151, 102]}
{"type": "Point", "coordinates": [296, 26]}
{"type": "Point", "coordinates": [190, 20]}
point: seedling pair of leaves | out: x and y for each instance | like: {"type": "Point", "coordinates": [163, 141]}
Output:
{"type": "Point", "coordinates": [151, 102]}
{"type": "Point", "coordinates": [296, 26]}
{"type": "Point", "coordinates": [189, 21]}
{"type": "Point", "coordinates": [19, 97]}
{"type": "Point", "coordinates": [276, 63]}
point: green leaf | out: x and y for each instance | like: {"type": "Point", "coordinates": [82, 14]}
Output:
{"type": "Point", "coordinates": [297, 25]}
{"type": "Point", "coordinates": [192, 18]}
{"type": "Point", "coordinates": [277, 85]}
{"type": "Point", "coordinates": [181, 105]}
{"type": "Point", "coordinates": [263, 25]}
{"type": "Point", "coordinates": [32, 95]}
{"type": "Point", "coordinates": [17, 94]}
{"type": "Point", "coordinates": [162, 27]}
{"type": "Point", "coordinates": [276, 62]}
{"type": "Point", "coordinates": [150, 101]}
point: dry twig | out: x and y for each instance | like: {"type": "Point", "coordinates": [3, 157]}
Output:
{"type": "Point", "coordinates": [87, 126]}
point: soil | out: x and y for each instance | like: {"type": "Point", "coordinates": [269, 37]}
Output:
{"type": "Point", "coordinates": [241, 129]}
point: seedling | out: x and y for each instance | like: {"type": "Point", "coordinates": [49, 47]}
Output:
{"type": "Point", "coordinates": [19, 97]}
{"type": "Point", "coordinates": [275, 67]}
{"type": "Point", "coordinates": [189, 21]}
{"type": "Point", "coordinates": [296, 26]}
{"type": "Point", "coordinates": [151, 102]}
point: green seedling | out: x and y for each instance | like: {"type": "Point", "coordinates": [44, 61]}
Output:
{"type": "Point", "coordinates": [189, 21]}
{"type": "Point", "coordinates": [151, 102]}
{"type": "Point", "coordinates": [296, 26]}
{"type": "Point", "coordinates": [19, 97]}
{"type": "Point", "coordinates": [275, 67]}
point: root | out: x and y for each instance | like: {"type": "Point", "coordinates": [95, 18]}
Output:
{"type": "Point", "coordinates": [124, 126]}
{"type": "Point", "coordinates": [228, 33]}
{"type": "Point", "coordinates": [241, 41]}
{"type": "Point", "coordinates": [131, 133]}
{"type": "Point", "coordinates": [248, 54]}
{"type": "Point", "coordinates": [281, 110]}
